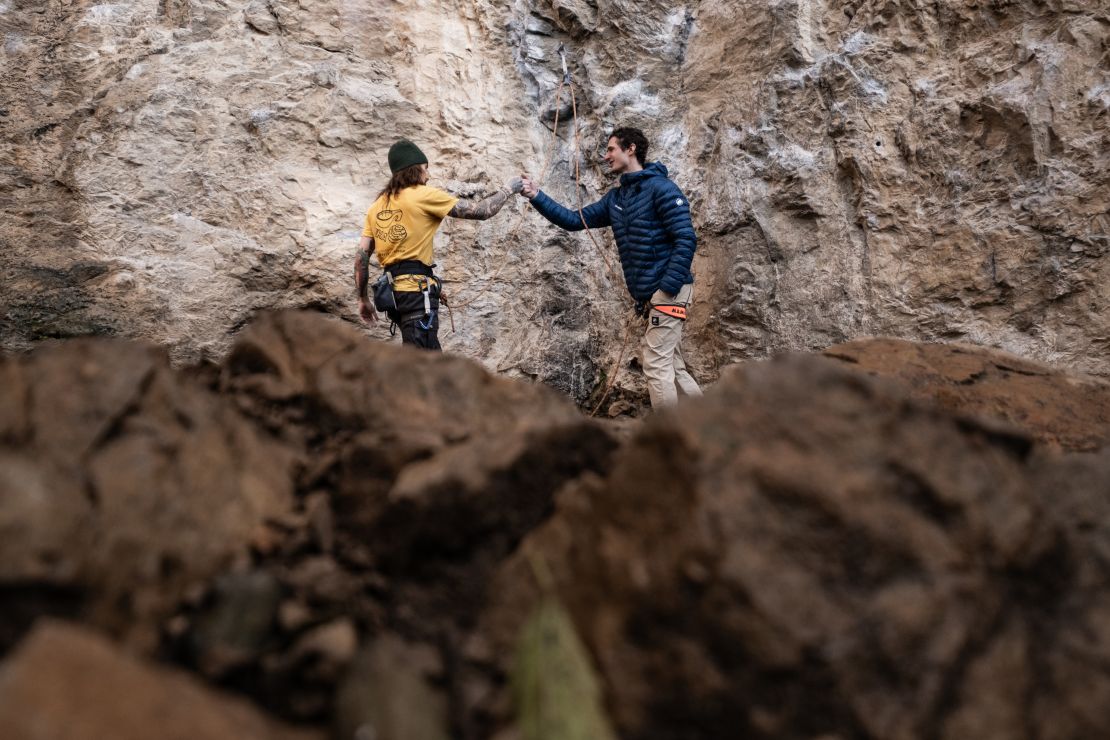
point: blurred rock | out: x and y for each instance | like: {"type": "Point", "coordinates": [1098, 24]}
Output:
{"type": "Point", "coordinates": [808, 553]}
{"type": "Point", "coordinates": [67, 683]}
{"type": "Point", "coordinates": [1075, 489]}
{"type": "Point", "coordinates": [387, 695]}
{"type": "Point", "coordinates": [320, 578]}
{"type": "Point", "coordinates": [335, 643]}
{"type": "Point", "coordinates": [124, 482]}
{"type": "Point", "coordinates": [433, 460]}
{"type": "Point", "coordinates": [240, 618]}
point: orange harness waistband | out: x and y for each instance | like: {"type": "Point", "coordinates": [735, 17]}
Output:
{"type": "Point", "coordinates": [677, 310]}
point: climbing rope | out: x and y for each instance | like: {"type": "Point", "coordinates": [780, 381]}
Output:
{"type": "Point", "coordinates": [520, 219]}
{"type": "Point", "coordinates": [612, 375]}
{"type": "Point", "coordinates": [565, 83]}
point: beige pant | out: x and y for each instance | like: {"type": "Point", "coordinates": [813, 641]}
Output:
{"type": "Point", "coordinates": [662, 355]}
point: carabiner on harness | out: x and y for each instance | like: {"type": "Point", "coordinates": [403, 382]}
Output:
{"type": "Point", "coordinates": [430, 313]}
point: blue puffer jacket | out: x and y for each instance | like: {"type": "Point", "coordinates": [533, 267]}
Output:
{"type": "Point", "coordinates": [651, 222]}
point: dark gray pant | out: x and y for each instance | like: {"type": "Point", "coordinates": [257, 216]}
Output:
{"type": "Point", "coordinates": [417, 328]}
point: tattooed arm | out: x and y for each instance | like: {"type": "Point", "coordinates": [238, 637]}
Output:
{"type": "Point", "coordinates": [489, 207]}
{"type": "Point", "coordinates": [362, 279]}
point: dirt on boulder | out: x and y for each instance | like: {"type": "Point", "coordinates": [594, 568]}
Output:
{"type": "Point", "coordinates": [426, 457]}
{"type": "Point", "coordinates": [1059, 409]}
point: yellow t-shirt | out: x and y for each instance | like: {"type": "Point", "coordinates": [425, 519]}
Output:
{"type": "Point", "coordinates": [403, 227]}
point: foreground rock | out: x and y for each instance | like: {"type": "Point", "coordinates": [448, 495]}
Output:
{"type": "Point", "coordinates": [423, 471]}
{"type": "Point", "coordinates": [427, 456]}
{"type": "Point", "coordinates": [1077, 490]}
{"type": "Point", "coordinates": [1059, 409]}
{"type": "Point", "coordinates": [806, 553]}
{"type": "Point", "coordinates": [67, 683]}
{"type": "Point", "coordinates": [351, 533]}
{"type": "Point", "coordinates": [123, 485]}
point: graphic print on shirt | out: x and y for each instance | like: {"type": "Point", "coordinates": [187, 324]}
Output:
{"type": "Point", "coordinates": [389, 227]}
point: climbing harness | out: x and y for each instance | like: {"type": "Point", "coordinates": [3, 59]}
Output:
{"type": "Point", "coordinates": [385, 298]}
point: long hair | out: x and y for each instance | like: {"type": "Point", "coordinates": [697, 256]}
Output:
{"type": "Point", "coordinates": [402, 179]}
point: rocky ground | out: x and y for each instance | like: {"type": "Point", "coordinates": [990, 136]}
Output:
{"type": "Point", "coordinates": [328, 537]}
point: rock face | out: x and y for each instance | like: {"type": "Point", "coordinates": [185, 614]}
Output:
{"type": "Point", "coordinates": [932, 172]}
{"type": "Point", "coordinates": [806, 553]}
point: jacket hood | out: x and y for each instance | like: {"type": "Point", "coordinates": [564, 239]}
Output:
{"type": "Point", "coordinates": [651, 169]}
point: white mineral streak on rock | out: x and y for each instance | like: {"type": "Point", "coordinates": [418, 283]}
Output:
{"type": "Point", "coordinates": [940, 173]}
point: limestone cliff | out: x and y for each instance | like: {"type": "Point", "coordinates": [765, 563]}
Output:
{"type": "Point", "coordinates": [923, 170]}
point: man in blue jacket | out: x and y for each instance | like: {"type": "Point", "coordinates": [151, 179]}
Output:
{"type": "Point", "coordinates": [650, 218]}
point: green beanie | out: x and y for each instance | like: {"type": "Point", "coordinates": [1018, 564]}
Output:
{"type": "Point", "coordinates": [405, 154]}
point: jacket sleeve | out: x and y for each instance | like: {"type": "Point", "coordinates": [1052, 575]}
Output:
{"type": "Point", "coordinates": [596, 214]}
{"type": "Point", "coordinates": [673, 210]}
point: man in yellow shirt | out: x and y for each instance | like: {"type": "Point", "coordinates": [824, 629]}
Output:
{"type": "Point", "coordinates": [400, 225]}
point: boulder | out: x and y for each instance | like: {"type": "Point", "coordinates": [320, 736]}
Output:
{"type": "Point", "coordinates": [1061, 409]}
{"type": "Point", "coordinates": [390, 693]}
{"type": "Point", "coordinates": [431, 459]}
{"type": "Point", "coordinates": [123, 484]}
{"type": "Point", "coordinates": [808, 552]}
{"type": "Point", "coordinates": [423, 471]}
{"type": "Point", "coordinates": [65, 682]}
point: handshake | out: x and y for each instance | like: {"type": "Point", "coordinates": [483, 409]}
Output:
{"type": "Point", "coordinates": [523, 185]}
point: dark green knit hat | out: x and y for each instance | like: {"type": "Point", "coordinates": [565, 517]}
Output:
{"type": "Point", "coordinates": [405, 154]}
